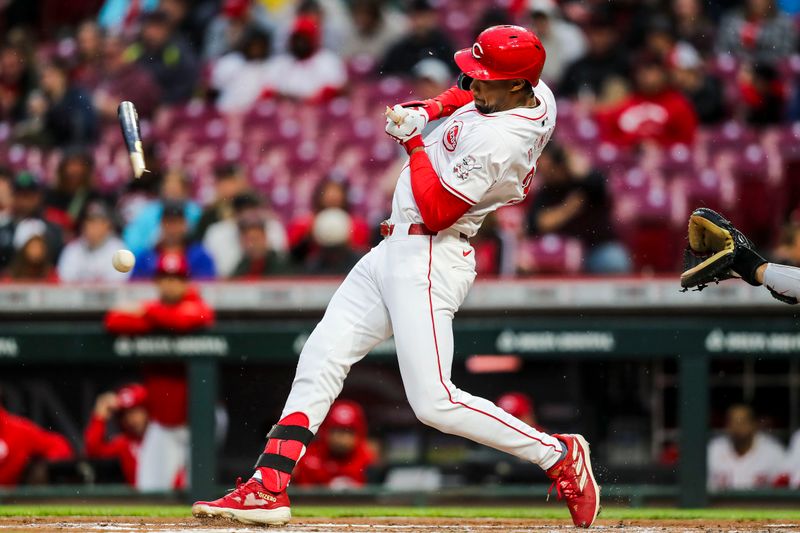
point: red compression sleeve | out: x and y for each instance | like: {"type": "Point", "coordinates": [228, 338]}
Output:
{"type": "Point", "coordinates": [439, 208]}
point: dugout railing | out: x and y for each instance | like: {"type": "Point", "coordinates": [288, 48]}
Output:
{"type": "Point", "coordinates": [580, 319]}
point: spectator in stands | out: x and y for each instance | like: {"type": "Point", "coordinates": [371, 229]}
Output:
{"type": "Point", "coordinates": [32, 259]}
{"type": "Point", "coordinates": [332, 252]}
{"type": "Point", "coordinates": [703, 90]}
{"type": "Point", "coordinates": [222, 238]}
{"type": "Point", "coordinates": [328, 194]}
{"type": "Point", "coordinates": [692, 25]}
{"type": "Point", "coordinates": [67, 201]}
{"type": "Point", "coordinates": [376, 27]}
{"type": "Point", "coordinates": [788, 250]}
{"type": "Point", "coordinates": [87, 259]}
{"type": "Point", "coordinates": [762, 95]}
{"type": "Point", "coordinates": [744, 457]}
{"type": "Point", "coordinates": [62, 113]}
{"type": "Point", "coordinates": [227, 28]}
{"type": "Point", "coordinates": [137, 196]}
{"type": "Point", "coordinates": [572, 201]}
{"type": "Point", "coordinates": [28, 204]}
{"type": "Point", "coordinates": [495, 15]}
{"type": "Point", "coordinates": [605, 60]}
{"type": "Point", "coordinates": [189, 18]}
{"type": "Point", "coordinates": [306, 71]}
{"type": "Point", "coordinates": [128, 407]}
{"type": "Point", "coordinates": [490, 248]}
{"type": "Point", "coordinates": [258, 259]}
{"type": "Point", "coordinates": [340, 456]}
{"type": "Point", "coordinates": [179, 309]}
{"type": "Point", "coordinates": [793, 461]}
{"type": "Point", "coordinates": [425, 39]}
{"type": "Point", "coordinates": [174, 240]}
{"type": "Point", "coordinates": [7, 225]}
{"type": "Point", "coordinates": [229, 182]}
{"type": "Point", "coordinates": [142, 232]}
{"type": "Point", "coordinates": [758, 32]}
{"type": "Point", "coordinates": [240, 76]}
{"type": "Point", "coordinates": [120, 16]}
{"type": "Point", "coordinates": [431, 78]}
{"type": "Point", "coordinates": [120, 79]}
{"type": "Point", "coordinates": [22, 442]}
{"type": "Point", "coordinates": [71, 119]}
{"type": "Point", "coordinates": [655, 111]}
{"type": "Point", "coordinates": [332, 17]}
{"type": "Point", "coordinates": [168, 57]}
{"type": "Point", "coordinates": [17, 80]}
{"type": "Point", "coordinates": [520, 406]}
{"type": "Point", "coordinates": [563, 41]}
{"type": "Point", "coordinates": [660, 39]}
{"type": "Point", "coordinates": [88, 55]}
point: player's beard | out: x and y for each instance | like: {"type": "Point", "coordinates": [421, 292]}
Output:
{"type": "Point", "coordinates": [483, 108]}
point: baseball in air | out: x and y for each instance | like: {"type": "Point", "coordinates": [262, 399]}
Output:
{"type": "Point", "coordinates": [123, 260]}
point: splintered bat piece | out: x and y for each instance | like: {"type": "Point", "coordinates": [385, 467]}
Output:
{"type": "Point", "coordinates": [129, 122]}
{"type": "Point", "coordinates": [396, 117]}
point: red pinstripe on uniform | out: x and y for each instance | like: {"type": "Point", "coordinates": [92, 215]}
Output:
{"type": "Point", "coordinates": [439, 362]}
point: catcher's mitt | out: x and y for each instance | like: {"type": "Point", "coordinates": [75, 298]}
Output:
{"type": "Point", "coordinates": [717, 251]}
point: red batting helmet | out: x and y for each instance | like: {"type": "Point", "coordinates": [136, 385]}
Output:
{"type": "Point", "coordinates": [502, 53]}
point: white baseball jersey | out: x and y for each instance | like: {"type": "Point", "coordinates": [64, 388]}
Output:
{"type": "Point", "coordinates": [486, 160]}
{"type": "Point", "coordinates": [410, 286]}
{"type": "Point", "coordinates": [759, 467]}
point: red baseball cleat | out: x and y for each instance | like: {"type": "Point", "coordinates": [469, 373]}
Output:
{"type": "Point", "coordinates": [574, 481]}
{"type": "Point", "coordinates": [249, 503]}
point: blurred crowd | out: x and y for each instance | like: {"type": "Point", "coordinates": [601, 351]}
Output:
{"type": "Point", "coordinates": [261, 120]}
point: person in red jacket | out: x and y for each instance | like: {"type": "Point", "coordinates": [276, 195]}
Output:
{"type": "Point", "coordinates": [21, 442]}
{"type": "Point", "coordinates": [340, 455]}
{"type": "Point", "coordinates": [179, 309]}
{"type": "Point", "coordinates": [654, 112]}
{"type": "Point", "coordinates": [128, 404]}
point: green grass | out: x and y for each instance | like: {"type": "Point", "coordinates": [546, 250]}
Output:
{"type": "Point", "coordinates": [550, 512]}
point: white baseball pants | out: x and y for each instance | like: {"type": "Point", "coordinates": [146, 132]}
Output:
{"type": "Point", "coordinates": [163, 455]}
{"type": "Point", "coordinates": [409, 286]}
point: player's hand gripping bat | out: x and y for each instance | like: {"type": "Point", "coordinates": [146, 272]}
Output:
{"type": "Point", "coordinates": [394, 116]}
{"type": "Point", "coordinates": [129, 122]}
{"type": "Point", "coordinates": [403, 123]}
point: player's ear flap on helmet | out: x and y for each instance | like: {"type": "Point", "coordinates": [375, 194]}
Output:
{"type": "Point", "coordinates": [464, 82]}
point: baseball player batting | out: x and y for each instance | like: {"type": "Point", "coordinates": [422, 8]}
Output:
{"type": "Point", "coordinates": [482, 157]}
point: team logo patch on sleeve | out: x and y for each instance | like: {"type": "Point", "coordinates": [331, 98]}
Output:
{"type": "Point", "coordinates": [462, 169]}
{"type": "Point", "coordinates": [450, 138]}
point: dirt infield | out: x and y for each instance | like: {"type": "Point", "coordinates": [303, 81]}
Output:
{"type": "Point", "coordinates": [388, 525]}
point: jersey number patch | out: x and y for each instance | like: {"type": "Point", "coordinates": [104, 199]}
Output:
{"type": "Point", "coordinates": [450, 138]}
{"type": "Point", "coordinates": [527, 181]}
